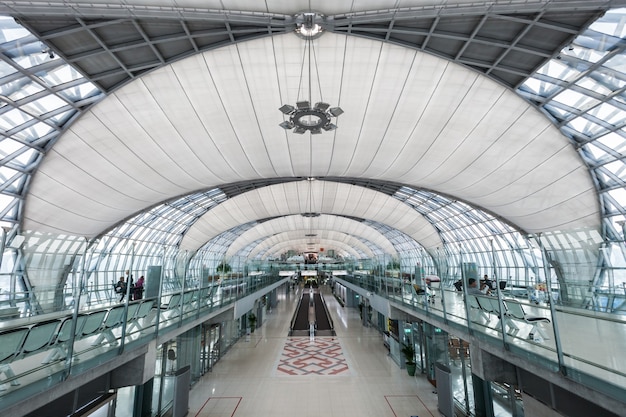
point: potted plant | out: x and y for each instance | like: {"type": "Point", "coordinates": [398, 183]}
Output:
{"type": "Point", "coordinates": [409, 355]}
{"type": "Point", "coordinates": [252, 322]}
{"type": "Point", "coordinates": [223, 269]}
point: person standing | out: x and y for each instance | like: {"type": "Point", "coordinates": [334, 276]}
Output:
{"type": "Point", "coordinates": [138, 291]}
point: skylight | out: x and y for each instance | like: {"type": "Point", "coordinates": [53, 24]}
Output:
{"type": "Point", "coordinates": [583, 90]}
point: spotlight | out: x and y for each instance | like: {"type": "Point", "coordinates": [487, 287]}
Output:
{"type": "Point", "coordinates": [335, 111]}
{"type": "Point", "coordinates": [287, 124]}
{"type": "Point", "coordinates": [321, 106]}
{"type": "Point", "coordinates": [286, 108]}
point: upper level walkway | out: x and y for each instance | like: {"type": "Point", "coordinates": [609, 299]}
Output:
{"type": "Point", "coordinates": [40, 352]}
{"type": "Point", "coordinates": [54, 353]}
{"type": "Point", "coordinates": [573, 348]}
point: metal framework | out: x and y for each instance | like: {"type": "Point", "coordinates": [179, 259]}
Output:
{"type": "Point", "coordinates": [72, 56]}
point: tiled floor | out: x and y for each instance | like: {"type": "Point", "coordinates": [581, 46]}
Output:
{"type": "Point", "coordinates": [272, 375]}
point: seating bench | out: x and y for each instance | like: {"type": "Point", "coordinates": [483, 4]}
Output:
{"type": "Point", "coordinates": [9, 313]}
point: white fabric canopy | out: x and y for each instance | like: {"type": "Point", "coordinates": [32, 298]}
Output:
{"type": "Point", "coordinates": [212, 119]}
{"type": "Point", "coordinates": [271, 233]}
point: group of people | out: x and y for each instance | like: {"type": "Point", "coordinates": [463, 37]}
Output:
{"type": "Point", "coordinates": [485, 288]}
{"type": "Point", "coordinates": [136, 288]}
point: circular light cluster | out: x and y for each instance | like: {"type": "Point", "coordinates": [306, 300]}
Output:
{"type": "Point", "coordinates": [303, 117]}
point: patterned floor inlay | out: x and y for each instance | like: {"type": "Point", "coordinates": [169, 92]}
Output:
{"type": "Point", "coordinates": [321, 356]}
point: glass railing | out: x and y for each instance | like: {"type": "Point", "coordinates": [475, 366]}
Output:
{"type": "Point", "coordinates": [41, 350]}
{"type": "Point", "coordinates": [585, 345]}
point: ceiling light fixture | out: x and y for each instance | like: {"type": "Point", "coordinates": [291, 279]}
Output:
{"type": "Point", "coordinates": [303, 116]}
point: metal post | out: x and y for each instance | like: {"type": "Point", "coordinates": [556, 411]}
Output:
{"type": "Point", "coordinates": [158, 307]}
{"type": "Point", "coordinates": [127, 300]}
{"type": "Point", "coordinates": [3, 238]}
{"type": "Point", "coordinates": [555, 328]}
{"type": "Point", "coordinates": [70, 347]}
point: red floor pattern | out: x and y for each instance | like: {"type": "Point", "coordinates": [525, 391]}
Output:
{"type": "Point", "coordinates": [321, 356]}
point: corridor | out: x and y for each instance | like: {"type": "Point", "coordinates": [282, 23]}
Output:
{"type": "Point", "coordinates": [272, 375]}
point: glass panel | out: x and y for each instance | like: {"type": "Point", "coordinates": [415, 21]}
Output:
{"type": "Point", "coordinates": [575, 99]}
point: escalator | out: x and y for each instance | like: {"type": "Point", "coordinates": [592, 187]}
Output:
{"type": "Point", "coordinates": [300, 321]}
{"type": "Point", "coordinates": [311, 310]}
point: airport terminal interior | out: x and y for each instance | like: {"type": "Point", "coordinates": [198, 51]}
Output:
{"type": "Point", "coordinates": [314, 208]}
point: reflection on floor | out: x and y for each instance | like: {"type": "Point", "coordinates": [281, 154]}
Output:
{"type": "Point", "coordinates": [320, 356]}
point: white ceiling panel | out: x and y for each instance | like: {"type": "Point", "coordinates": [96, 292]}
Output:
{"type": "Point", "coordinates": [212, 119]}
{"type": "Point", "coordinates": [293, 240]}
{"type": "Point", "coordinates": [359, 202]}
{"type": "Point", "coordinates": [305, 226]}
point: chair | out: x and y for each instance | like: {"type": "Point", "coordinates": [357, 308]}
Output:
{"type": "Point", "coordinates": [11, 342]}
{"type": "Point", "coordinates": [114, 318]}
{"type": "Point", "coordinates": [93, 323]}
{"type": "Point", "coordinates": [9, 313]}
{"type": "Point", "coordinates": [189, 299]}
{"type": "Point", "coordinates": [173, 305]}
{"type": "Point", "coordinates": [131, 313]}
{"type": "Point", "coordinates": [515, 310]}
{"type": "Point", "coordinates": [142, 312]}
{"type": "Point", "coordinates": [500, 310]}
{"type": "Point", "coordinates": [34, 340]}
{"type": "Point", "coordinates": [476, 306]}
{"type": "Point", "coordinates": [63, 337]}
{"type": "Point", "coordinates": [40, 336]}
{"type": "Point", "coordinates": [487, 306]}
{"type": "Point", "coordinates": [203, 297]}
{"type": "Point", "coordinates": [454, 349]}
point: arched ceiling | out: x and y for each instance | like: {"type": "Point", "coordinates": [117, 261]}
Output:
{"type": "Point", "coordinates": [315, 197]}
{"type": "Point", "coordinates": [409, 117]}
{"type": "Point", "coordinates": [211, 119]}
{"type": "Point", "coordinates": [279, 244]}
{"type": "Point", "coordinates": [273, 229]}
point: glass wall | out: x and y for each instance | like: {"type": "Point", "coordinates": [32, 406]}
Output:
{"type": "Point", "coordinates": [531, 322]}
